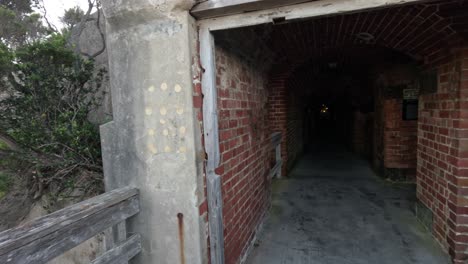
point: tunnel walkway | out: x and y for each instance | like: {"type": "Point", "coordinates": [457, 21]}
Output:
{"type": "Point", "coordinates": [333, 209]}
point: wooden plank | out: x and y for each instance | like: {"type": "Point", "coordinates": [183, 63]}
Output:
{"type": "Point", "coordinates": [210, 127]}
{"type": "Point", "coordinates": [30, 231]}
{"type": "Point", "coordinates": [210, 99]}
{"type": "Point", "coordinates": [54, 244]}
{"type": "Point", "coordinates": [297, 11]}
{"type": "Point", "coordinates": [276, 169]}
{"type": "Point", "coordinates": [279, 159]}
{"type": "Point", "coordinates": [115, 235]}
{"type": "Point", "coordinates": [109, 238]}
{"type": "Point", "coordinates": [276, 139]}
{"type": "Point", "coordinates": [120, 231]}
{"type": "Point", "coordinates": [48, 245]}
{"type": "Point", "coordinates": [216, 8]}
{"type": "Point", "coordinates": [121, 253]}
{"type": "Point", "coordinates": [215, 216]}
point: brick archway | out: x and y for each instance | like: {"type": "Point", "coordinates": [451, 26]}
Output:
{"type": "Point", "coordinates": [245, 55]}
{"type": "Point", "coordinates": [434, 36]}
{"type": "Point", "coordinates": [425, 32]}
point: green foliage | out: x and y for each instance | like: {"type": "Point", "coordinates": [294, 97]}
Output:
{"type": "Point", "coordinates": [46, 94]}
{"type": "Point", "coordinates": [53, 91]}
{"type": "Point", "coordinates": [19, 6]}
{"type": "Point", "coordinates": [5, 182]}
{"type": "Point", "coordinates": [72, 17]}
{"type": "Point", "coordinates": [3, 146]}
{"type": "Point", "coordinates": [6, 64]}
{"type": "Point", "coordinates": [18, 23]}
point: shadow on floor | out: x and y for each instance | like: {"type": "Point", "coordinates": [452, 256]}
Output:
{"type": "Point", "coordinates": [334, 210]}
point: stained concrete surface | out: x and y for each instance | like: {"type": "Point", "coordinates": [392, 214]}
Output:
{"type": "Point", "coordinates": [153, 141]}
{"type": "Point", "coordinates": [334, 209]}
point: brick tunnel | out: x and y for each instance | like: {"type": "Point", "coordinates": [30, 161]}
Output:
{"type": "Point", "coordinates": [387, 85]}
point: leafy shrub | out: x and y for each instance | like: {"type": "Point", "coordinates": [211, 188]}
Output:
{"type": "Point", "coordinates": [52, 92]}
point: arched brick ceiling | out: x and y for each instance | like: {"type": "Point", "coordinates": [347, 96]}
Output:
{"type": "Point", "coordinates": [425, 32]}
{"type": "Point", "coordinates": [348, 80]}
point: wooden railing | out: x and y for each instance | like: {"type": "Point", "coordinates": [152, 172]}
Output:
{"type": "Point", "coordinates": [52, 235]}
{"type": "Point", "coordinates": [276, 145]}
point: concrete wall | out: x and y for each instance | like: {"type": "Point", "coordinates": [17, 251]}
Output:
{"type": "Point", "coordinates": [154, 141]}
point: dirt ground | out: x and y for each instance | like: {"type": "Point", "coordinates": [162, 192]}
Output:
{"type": "Point", "coordinates": [15, 202]}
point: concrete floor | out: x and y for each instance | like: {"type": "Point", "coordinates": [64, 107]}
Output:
{"type": "Point", "coordinates": [334, 210]}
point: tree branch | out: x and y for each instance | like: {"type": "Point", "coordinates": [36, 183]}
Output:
{"type": "Point", "coordinates": [103, 38]}
{"type": "Point", "coordinates": [9, 141]}
{"type": "Point", "coordinates": [76, 32]}
{"type": "Point", "coordinates": [101, 34]}
{"type": "Point", "coordinates": [49, 25]}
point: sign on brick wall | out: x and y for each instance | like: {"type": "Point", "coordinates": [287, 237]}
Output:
{"type": "Point", "coordinates": [410, 104]}
{"type": "Point", "coordinates": [410, 94]}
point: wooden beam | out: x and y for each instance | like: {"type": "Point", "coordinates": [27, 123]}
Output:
{"type": "Point", "coordinates": [217, 8]}
{"type": "Point", "coordinates": [115, 236]}
{"type": "Point", "coordinates": [296, 11]}
{"type": "Point", "coordinates": [43, 239]}
{"type": "Point", "coordinates": [211, 132]}
{"type": "Point", "coordinates": [121, 253]}
{"type": "Point", "coordinates": [275, 139]}
{"type": "Point", "coordinates": [276, 170]}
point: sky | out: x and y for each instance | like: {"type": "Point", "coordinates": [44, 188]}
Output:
{"type": "Point", "coordinates": [56, 8]}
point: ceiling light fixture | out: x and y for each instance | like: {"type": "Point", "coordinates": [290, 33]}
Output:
{"type": "Point", "coordinates": [366, 37]}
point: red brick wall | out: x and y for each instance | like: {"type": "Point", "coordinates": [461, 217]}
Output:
{"type": "Point", "coordinates": [245, 150]}
{"type": "Point", "coordinates": [442, 175]}
{"type": "Point", "coordinates": [395, 138]}
{"type": "Point", "coordinates": [278, 113]}
{"type": "Point", "coordinates": [294, 135]}
{"type": "Point", "coordinates": [286, 112]}
{"type": "Point", "coordinates": [400, 136]}
{"type": "Point", "coordinates": [245, 142]}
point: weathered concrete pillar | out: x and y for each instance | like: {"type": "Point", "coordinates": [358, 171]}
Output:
{"type": "Point", "coordinates": [153, 142]}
